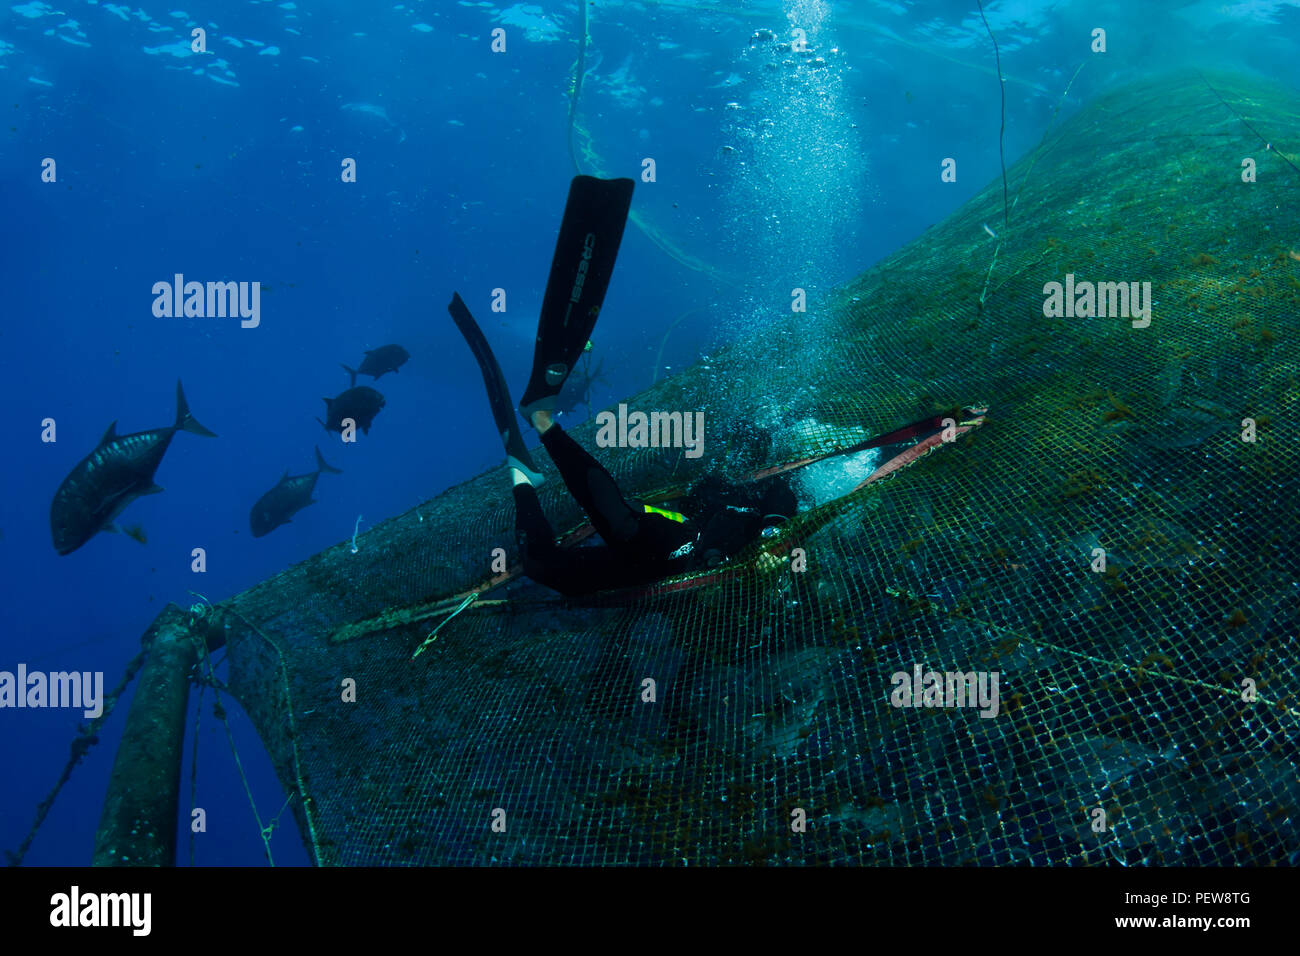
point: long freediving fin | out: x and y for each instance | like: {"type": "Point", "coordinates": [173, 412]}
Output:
{"type": "Point", "coordinates": [503, 409]}
{"type": "Point", "coordinates": [585, 252]}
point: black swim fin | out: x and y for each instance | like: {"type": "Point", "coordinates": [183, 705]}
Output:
{"type": "Point", "coordinates": [590, 233]}
{"type": "Point", "coordinates": [503, 409]}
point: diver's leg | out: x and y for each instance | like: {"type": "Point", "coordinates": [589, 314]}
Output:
{"type": "Point", "coordinates": [590, 484]}
{"type": "Point", "coordinates": [571, 571]}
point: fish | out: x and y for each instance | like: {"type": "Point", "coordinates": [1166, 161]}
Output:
{"type": "Point", "coordinates": [361, 404]}
{"type": "Point", "coordinates": [378, 111]}
{"type": "Point", "coordinates": [386, 358]}
{"type": "Point", "coordinates": [289, 496]}
{"type": "Point", "coordinates": [118, 470]}
{"type": "Point", "coordinates": [370, 108]}
{"type": "Point", "coordinates": [577, 388]}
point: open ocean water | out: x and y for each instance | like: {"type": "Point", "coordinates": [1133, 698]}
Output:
{"type": "Point", "coordinates": [141, 143]}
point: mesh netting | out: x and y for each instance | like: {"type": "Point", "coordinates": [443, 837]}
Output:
{"type": "Point", "coordinates": [1121, 689]}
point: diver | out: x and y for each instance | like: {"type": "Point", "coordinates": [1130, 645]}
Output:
{"type": "Point", "coordinates": [643, 544]}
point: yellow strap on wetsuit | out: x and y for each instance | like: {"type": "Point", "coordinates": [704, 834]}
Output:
{"type": "Point", "coordinates": [670, 515]}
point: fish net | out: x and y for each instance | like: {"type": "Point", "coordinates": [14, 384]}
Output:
{"type": "Point", "coordinates": [1116, 541]}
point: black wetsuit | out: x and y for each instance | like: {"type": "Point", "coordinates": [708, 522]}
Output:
{"type": "Point", "coordinates": [640, 547]}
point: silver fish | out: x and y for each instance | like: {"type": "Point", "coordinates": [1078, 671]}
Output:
{"type": "Point", "coordinates": [119, 470]}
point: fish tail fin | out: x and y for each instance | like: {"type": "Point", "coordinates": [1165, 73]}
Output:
{"type": "Point", "coordinates": [184, 420]}
{"type": "Point", "coordinates": [352, 372]}
{"type": "Point", "coordinates": [323, 466]}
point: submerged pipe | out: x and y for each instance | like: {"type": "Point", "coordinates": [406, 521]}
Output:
{"type": "Point", "coordinates": [138, 823]}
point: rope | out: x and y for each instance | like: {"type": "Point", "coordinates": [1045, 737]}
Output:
{"type": "Point", "coordinates": [1141, 668]}
{"type": "Point", "coordinates": [209, 678]}
{"type": "Point", "coordinates": [659, 357]}
{"type": "Point", "coordinates": [575, 88]}
{"type": "Point", "coordinates": [1268, 145]}
{"type": "Point", "coordinates": [194, 771]}
{"type": "Point", "coordinates": [1050, 120]}
{"type": "Point", "coordinates": [87, 737]}
{"type": "Point", "coordinates": [433, 635]}
{"type": "Point", "coordinates": [404, 616]}
{"type": "Point", "coordinates": [1002, 89]}
{"type": "Point", "coordinates": [988, 276]}
{"type": "Point", "coordinates": [921, 437]}
{"type": "Point", "coordinates": [575, 129]}
{"type": "Point", "coordinates": [308, 815]}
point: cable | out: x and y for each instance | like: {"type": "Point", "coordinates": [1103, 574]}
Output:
{"type": "Point", "coordinates": [87, 736]}
{"type": "Point", "coordinates": [1002, 88]}
{"type": "Point", "coordinates": [575, 89]}
{"type": "Point", "coordinates": [1268, 145]}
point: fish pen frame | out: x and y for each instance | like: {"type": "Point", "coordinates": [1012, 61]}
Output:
{"type": "Point", "coordinates": [139, 821]}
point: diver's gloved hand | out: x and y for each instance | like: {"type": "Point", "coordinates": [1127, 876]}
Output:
{"type": "Point", "coordinates": [778, 503]}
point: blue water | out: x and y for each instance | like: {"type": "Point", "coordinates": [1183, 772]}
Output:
{"type": "Point", "coordinates": [226, 166]}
